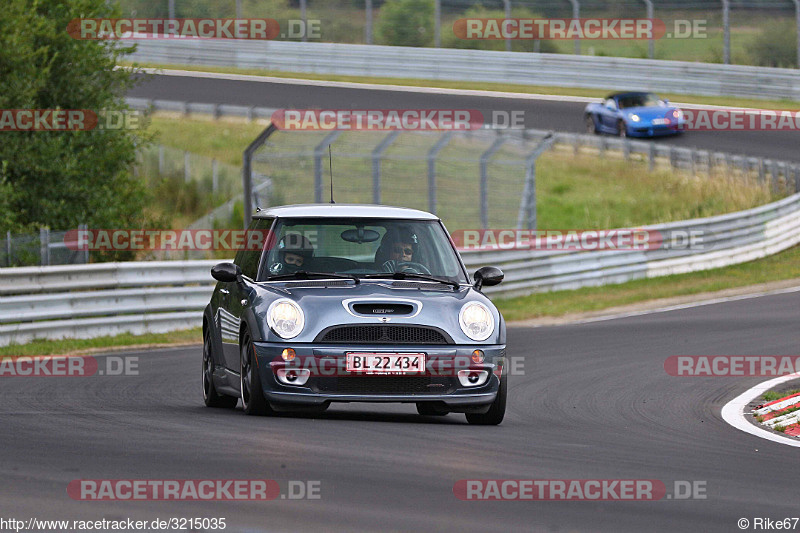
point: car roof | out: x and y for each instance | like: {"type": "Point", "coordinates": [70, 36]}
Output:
{"type": "Point", "coordinates": [344, 211]}
{"type": "Point", "coordinates": [627, 93]}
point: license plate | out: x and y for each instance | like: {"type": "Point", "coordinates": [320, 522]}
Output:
{"type": "Point", "coordinates": [660, 121]}
{"type": "Point", "coordinates": [386, 363]}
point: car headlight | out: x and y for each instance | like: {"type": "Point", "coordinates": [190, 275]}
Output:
{"type": "Point", "coordinates": [285, 318]}
{"type": "Point", "coordinates": [634, 117]}
{"type": "Point", "coordinates": [476, 321]}
{"type": "Point", "coordinates": [677, 113]}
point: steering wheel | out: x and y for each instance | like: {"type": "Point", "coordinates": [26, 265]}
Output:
{"type": "Point", "coordinates": [406, 266]}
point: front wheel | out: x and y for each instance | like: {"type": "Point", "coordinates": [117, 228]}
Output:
{"type": "Point", "coordinates": [496, 412]}
{"type": "Point", "coordinates": [210, 396]}
{"type": "Point", "coordinates": [252, 394]}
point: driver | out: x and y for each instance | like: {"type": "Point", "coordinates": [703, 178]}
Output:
{"type": "Point", "coordinates": [294, 254]}
{"type": "Point", "coordinates": [402, 248]}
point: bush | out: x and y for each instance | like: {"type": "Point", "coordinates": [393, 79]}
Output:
{"type": "Point", "coordinates": [405, 23]}
{"type": "Point", "coordinates": [776, 46]}
{"type": "Point", "coordinates": [449, 39]}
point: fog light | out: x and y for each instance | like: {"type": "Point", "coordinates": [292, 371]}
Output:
{"type": "Point", "coordinates": [472, 378]}
{"type": "Point", "coordinates": [477, 356]}
{"type": "Point", "coordinates": [293, 377]}
{"type": "Point", "coordinates": [288, 354]}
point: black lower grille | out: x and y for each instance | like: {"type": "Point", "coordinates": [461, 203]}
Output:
{"type": "Point", "coordinates": [385, 385]}
{"type": "Point", "coordinates": [383, 334]}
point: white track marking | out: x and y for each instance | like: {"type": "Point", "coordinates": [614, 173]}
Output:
{"type": "Point", "coordinates": [733, 411]}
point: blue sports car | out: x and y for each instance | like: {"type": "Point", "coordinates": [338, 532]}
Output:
{"type": "Point", "coordinates": [635, 114]}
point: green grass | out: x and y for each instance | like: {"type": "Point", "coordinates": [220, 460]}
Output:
{"type": "Point", "coordinates": [572, 191]}
{"type": "Point", "coordinates": [70, 346]}
{"type": "Point", "coordinates": [773, 395]}
{"type": "Point", "coordinates": [782, 266]}
{"type": "Point", "coordinates": [481, 86]}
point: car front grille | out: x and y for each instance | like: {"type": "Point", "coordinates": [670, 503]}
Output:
{"type": "Point", "coordinates": [383, 334]}
{"type": "Point", "coordinates": [385, 385]}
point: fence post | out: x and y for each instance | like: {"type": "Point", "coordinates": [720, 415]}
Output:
{"type": "Point", "coordinates": [651, 157]}
{"type": "Point", "coordinates": [626, 149]}
{"type": "Point", "coordinates": [437, 23]}
{"type": "Point", "coordinates": [432, 154]}
{"type": "Point", "coordinates": [247, 178]}
{"type": "Point", "coordinates": [507, 6]}
{"type": "Point", "coordinates": [650, 43]}
{"type": "Point", "coordinates": [214, 176]}
{"type": "Point", "coordinates": [186, 173]}
{"type": "Point", "coordinates": [239, 9]}
{"type": "Point", "coordinates": [368, 27]}
{"type": "Point", "coordinates": [484, 162]}
{"type": "Point", "coordinates": [8, 246]}
{"type": "Point", "coordinates": [527, 206]}
{"type": "Point", "coordinates": [82, 229]}
{"type": "Point", "coordinates": [304, 19]}
{"type": "Point", "coordinates": [796, 184]}
{"type": "Point", "coordinates": [761, 170]}
{"type": "Point", "coordinates": [576, 14]}
{"type": "Point", "coordinates": [44, 246]}
{"type": "Point", "coordinates": [726, 31]}
{"type": "Point", "coordinates": [377, 153]}
{"type": "Point", "coordinates": [797, 24]}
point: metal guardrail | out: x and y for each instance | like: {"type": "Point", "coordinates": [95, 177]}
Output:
{"type": "Point", "coordinates": [57, 302]}
{"type": "Point", "coordinates": [561, 70]}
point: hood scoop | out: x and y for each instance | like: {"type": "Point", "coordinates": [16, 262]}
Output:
{"type": "Point", "coordinates": [383, 308]}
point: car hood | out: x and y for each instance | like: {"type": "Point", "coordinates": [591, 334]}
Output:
{"type": "Point", "coordinates": [649, 112]}
{"type": "Point", "coordinates": [434, 305]}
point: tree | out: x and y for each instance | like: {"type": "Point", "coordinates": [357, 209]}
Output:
{"type": "Point", "coordinates": [59, 179]}
{"type": "Point", "coordinates": [776, 46]}
{"type": "Point", "coordinates": [406, 23]}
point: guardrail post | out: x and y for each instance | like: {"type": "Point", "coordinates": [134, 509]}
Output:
{"type": "Point", "coordinates": [507, 6]}
{"type": "Point", "coordinates": [577, 144]}
{"type": "Point", "coordinates": [319, 151]}
{"type": "Point", "coordinates": [368, 26]}
{"type": "Point", "coordinates": [484, 162]}
{"type": "Point", "coordinates": [651, 157]}
{"type": "Point", "coordinates": [775, 176]}
{"type": "Point", "coordinates": [377, 154]}
{"type": "Point", "coordinates": [626, 149]}
{"type": "Point", "coordinates": [760, 170]}
{"type": "Point", "coordinates": [650, 42]}
{"type": "Point", "coordinates": [693, 158]}
{"type": "Point", "coordinates": [186, 170]}
{"type": "Point", "coordinates": [672, 153]}
{"type": "Point", "coordinates": [432, 154]}
{"type": "Point", "coordinates": [214, 176]}
{"type": "Point", "coordinates": [44, 246]}
{"type": "Point", "coordinates": [239, 9]}
{"type": "Point", "coordinates": [437, 23]}
{"type": "Point", "coordinates": [726, 32]}
{"type": "Point", "coordinates": [602, 148]}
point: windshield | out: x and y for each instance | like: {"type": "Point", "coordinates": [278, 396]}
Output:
{"type": "Point", "coordinates": [362, 248]}
{"type": "Point", "coordinates": [639, 100]}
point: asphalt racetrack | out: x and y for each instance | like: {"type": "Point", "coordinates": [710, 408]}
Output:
{"type": "Point", "coordinates": [564, 116]}
{"type": "Point", "coordinates": [589, 401]}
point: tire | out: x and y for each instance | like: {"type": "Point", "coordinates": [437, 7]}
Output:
{"type": "Point", "coordinates": [622, 129]}
{"type": "Point", "coordinates": [591, 125]}
{"type": "Point", "coordinates": [496, 412]}
{"type": "Point", "coordinates": [253, 401]}
{"type": "Point", "coordinates": [210, 396]}
{"type": "Point", "coordinates": [429, 409]}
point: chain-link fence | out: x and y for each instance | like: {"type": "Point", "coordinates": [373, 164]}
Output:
{"type": "Point", "coordinates": [471, 179]}
{"type": "Point", "coordinates": [43, 248]}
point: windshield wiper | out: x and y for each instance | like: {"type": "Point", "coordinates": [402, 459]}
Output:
{"type": "Point", "coordinates": [410, 275]}
{"type": "Point", "coordinates": [303, 274]}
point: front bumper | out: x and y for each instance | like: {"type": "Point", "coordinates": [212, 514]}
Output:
{"type": "Point", "coordinates": [330, 382]}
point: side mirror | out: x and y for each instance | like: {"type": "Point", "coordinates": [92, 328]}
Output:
{"type": "Point", "coordinates": [226, 272]}
{"type": "Point", "coordinates": [487, 276]}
